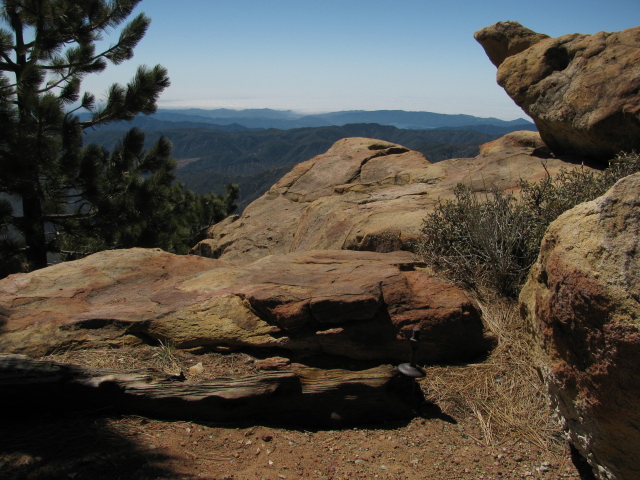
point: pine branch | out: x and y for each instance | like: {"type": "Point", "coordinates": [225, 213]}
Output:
{"type": "Point", "coordinates": [8, 67]}
{"type": "Point", "coordinates": [75, 253]}
{"type": "Point", "coordinates": [7, 59]}
{"type": "Point", "coordinates": [52, 217]}
{"type": "Point", "coordinates": [51, 86]}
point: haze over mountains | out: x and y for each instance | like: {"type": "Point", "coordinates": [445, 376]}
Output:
{"type": "Point", "coordinates": [287, 119]}
{"type": "Point", "coordinates": [254, 148]}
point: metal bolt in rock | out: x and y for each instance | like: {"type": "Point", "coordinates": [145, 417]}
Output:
{"type": "Point", "coordinates": [411, 369]}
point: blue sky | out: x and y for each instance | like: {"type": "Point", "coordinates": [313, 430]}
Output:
{"type": "Point", "coordinates": [328, 55]}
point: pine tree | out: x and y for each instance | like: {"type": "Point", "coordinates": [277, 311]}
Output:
{"type": "Point", "coordinates": [57, 195]}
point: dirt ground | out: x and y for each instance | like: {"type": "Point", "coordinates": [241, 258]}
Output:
{"type": "Point", "coordinates": [441, 445]}
{"type": "Point", "coordinates": [94, 447]}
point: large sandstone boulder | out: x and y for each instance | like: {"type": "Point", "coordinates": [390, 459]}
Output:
{"type": "Point", "coordinates": [582, 300]}
{"type": "Point", "coordinates": [359, 305]}
{"type": "Point", "coordinates": [368, 194]}
{"type": "Point", "coordinates": [582, 91]}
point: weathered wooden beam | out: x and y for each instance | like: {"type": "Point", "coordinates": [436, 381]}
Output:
{"type": "Point", "coordinates": [304, 396]}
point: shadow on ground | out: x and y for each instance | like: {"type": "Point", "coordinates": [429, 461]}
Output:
{"type": "Point", "coordinates": [79, 445]}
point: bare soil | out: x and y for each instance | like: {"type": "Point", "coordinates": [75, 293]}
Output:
{"type": "Point", "coordinates": [449, 442]}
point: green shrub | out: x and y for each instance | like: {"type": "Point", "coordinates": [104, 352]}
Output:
{"type": "Point", "coordinates": [478, 239]}
{"type": "Point", "coordinates": [491, 239]}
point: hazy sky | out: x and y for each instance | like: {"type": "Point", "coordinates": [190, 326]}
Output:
{"type": "Point", "coordinates": [328, 55]}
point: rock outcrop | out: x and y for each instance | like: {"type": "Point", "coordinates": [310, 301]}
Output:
{"type": "Point", "coordinates": [358, 305]}
{"type": "Point", "coordinates": [582, 91]}
{"type": "Point", "coordinates": [582, 300]}
{"type": "Point", "coordinates": [369, 195]}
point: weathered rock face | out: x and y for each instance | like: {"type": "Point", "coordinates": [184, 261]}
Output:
{"type": "Point", "coordinates": [582, 299]}
{"type": "Point", "coordinates": [359, 305]}
{"type": "Point", "coordinates": [367, 194]}
{"type": "Point", "coordinates": [582, 91]}
{"type": "Point", "coordinates": [505, 39]}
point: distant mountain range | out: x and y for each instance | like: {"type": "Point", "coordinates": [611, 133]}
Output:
{"type": "Point", "coordinates": [246, 147]}
{"type": "Point", "coordinates": [237, 120]}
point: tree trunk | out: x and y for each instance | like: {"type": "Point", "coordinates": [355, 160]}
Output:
{"type": "Point", "coordinates": [33, 231]}
{"type": "Point", "coordinates": [33, 222]}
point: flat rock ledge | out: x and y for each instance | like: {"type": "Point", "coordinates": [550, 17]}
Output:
{"type": "Point", "coordinates": [345, 304]}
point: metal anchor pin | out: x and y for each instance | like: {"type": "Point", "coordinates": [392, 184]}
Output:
{"type": "Point", "coordinates": [411, 369]}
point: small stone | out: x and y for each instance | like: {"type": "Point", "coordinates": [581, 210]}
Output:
{"type": "Point", "coordinates": [197, 369]}
{"type": "Point", "coordinates": [273, 363]}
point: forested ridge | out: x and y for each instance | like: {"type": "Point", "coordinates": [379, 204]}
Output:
{"type": "Point", "coordinates": [209, 159]}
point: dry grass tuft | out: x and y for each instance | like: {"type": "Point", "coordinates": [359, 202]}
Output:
{"type": "Point", "coordinates": [165, 359]}
{"type": "Point", "coordinates": [504, 392]}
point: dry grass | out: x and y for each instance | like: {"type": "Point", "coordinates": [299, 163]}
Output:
{"type": "Point", "coordinates": [163, 357]}
{"type": "Point", "coordinates": [504, 392]}
{"type": "Point", "coordinates": [125, 358]}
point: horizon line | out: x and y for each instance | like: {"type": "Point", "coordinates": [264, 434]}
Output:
{"type": "Point", "coordinates": [309, 112]}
